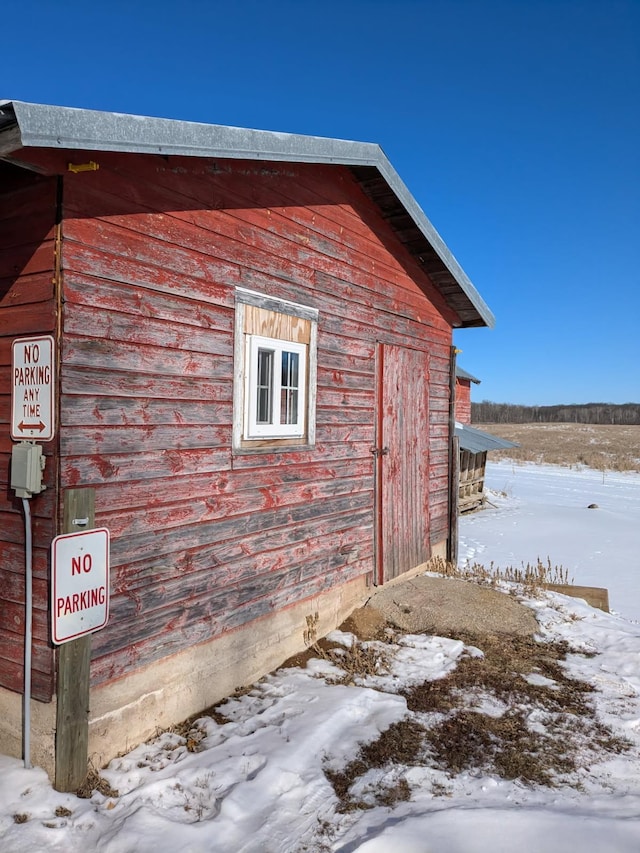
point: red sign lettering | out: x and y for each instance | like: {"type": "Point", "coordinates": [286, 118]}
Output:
{"type": "Point", "coordinates": [83, 563]}
{"type": "Point", "coordinates": [80, 601]}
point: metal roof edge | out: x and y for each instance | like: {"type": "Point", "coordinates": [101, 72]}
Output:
{"type": "Point", "coordinates": [439, 246]}
{"type": "Point", "coordinates": [45, 126]}
{"type": "Point", "coordinates": [476, 440]}
{"type": "Point", "coordinates": [464, 374]}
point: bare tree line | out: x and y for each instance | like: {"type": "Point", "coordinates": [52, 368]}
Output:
{"type": "Point", "coordinates": [487, 412]}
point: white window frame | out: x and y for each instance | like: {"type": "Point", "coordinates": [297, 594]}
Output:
{"type": "Point", "coordinates": [274, 429]}
{"type": "Point", "coordinates": [252, 438]}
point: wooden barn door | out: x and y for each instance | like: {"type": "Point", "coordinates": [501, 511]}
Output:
{"type": "Point", "coordinates": [402, 460]}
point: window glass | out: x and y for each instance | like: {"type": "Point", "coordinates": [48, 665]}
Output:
{"type": "Point", "coordinates": [265, 386]}
{"type": "Point", "coordinates": [289, 388]}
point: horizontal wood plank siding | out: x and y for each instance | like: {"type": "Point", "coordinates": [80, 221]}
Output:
{"type": "Point", "coordinates": [463, 400]}
{"type": "Point", "coordinates": [203, 540]}
{"type": "Point", "coordinates": [27, 308]}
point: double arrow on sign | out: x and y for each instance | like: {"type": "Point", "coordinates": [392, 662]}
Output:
{"type": "Point", "coordinates": [39, 426]}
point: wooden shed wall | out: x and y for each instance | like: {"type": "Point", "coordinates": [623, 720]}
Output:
{"type": "Point", "coordinates": [463, 400]}
{"type": "Point", "coordinates": [472, 474]}
{"type": "Point", "coordinates": [27, 307]}
{"type": "Point", "coordinates": [204, 540]}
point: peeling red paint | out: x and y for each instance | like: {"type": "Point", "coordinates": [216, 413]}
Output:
{"type": "Point", "coordinates": [205, 540]}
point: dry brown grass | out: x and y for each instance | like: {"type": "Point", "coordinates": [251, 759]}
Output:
{"type": "Point", "coordinates": [534, 577]}
{"type": "Point", "coordinates": [506, 744]}
{"type": "Point", "coordinates": [401, 744]}
{"type": "Point", "coordinates": [605, 448]}
{"type": "Point", "coordinates": [95, 782]}
{"type": "Point", "coordinates": [355, 661]}
{"type": "Point", "coordinates": [465, 737]}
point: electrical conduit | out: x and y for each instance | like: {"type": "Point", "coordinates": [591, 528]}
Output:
{"type": "Point", "coordinates": [26, 707]}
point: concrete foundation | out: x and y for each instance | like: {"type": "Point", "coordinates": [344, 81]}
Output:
{"type": "Point", "coordinates": [43, 729]}
{"type": "Point", "coordinates": [130, 710]}
{"type": "Point", "coordinates": [127, 711]}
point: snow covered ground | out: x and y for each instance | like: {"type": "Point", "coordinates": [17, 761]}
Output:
{"type": "Point", "coordinates": [542, 512]}
{"type": "Point", "coordinates": [255, 784]}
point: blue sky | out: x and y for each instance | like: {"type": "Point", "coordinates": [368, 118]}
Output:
{"type": "Point", "coordinates": [516, 126]}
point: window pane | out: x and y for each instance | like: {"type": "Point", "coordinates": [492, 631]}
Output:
{"type": "Point", "coordinates": [289, 388]}
{"type": "Point", "coordinates": [264, 387]}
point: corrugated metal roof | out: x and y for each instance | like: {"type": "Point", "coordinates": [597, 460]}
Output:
{"type": "Point", "coordinates": [25, 125]}
{"type": "Point", "coordinates": [464, 375]}
{"type": "Point", "coordinates": [475, 441]}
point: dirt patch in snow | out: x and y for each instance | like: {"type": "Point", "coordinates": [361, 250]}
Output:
{"type": "Point", "coordinates": [447, 606]}
{"type": "Point", "coordinates": [509, 708]}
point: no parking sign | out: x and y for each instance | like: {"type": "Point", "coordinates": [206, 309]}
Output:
{"type": "Point", "coordinates": [80, 584]}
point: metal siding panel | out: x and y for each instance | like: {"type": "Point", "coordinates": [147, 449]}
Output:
{"type": "Point", "coordinates": [475, 440]}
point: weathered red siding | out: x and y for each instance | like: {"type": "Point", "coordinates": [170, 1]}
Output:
{"type": "Point", "coordinates": [204, 540]}
{"type": "Point", "coordinates": [463, 400]}
{"type": "Point", "coordinates": [27, 307]}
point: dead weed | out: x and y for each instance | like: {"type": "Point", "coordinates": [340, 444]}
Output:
{"type": "Point", "coordinates": [401, 744]}
{"type": "Point", "coordinates": [534, 577]}
{"type": "Point", "coordinates": [521, 680]}
{"type": "Point", "coordinates": [95, 782]}
{"type": "Point", "coordinates": [63, 811]}
{"type": "Point", "coordinates": [356, 661]}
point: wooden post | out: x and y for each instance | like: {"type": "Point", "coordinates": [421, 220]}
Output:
{"type": "Point", "coordinates": [74, 658]}
{"type": "Point", "coordinates": [454, 499]}
{"type": "Point", "coordinates": [454, 464]}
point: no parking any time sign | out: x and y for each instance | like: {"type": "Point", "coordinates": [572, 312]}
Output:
{"type": "Point", "coordinates": [32, 389]}
{"type": "Point", "coordinates": [80, 584]}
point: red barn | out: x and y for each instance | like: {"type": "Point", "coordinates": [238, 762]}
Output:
{"type": "Point", "coordinates": [463, 395]}
{"type": "Point", "coordinates": [252, 340]}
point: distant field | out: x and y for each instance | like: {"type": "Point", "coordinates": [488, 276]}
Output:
{"type": "Point", "coordinates": [612, 448]}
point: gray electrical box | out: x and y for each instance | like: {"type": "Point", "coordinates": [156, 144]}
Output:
{"type": "Point", "coordinates": [27, 465]}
